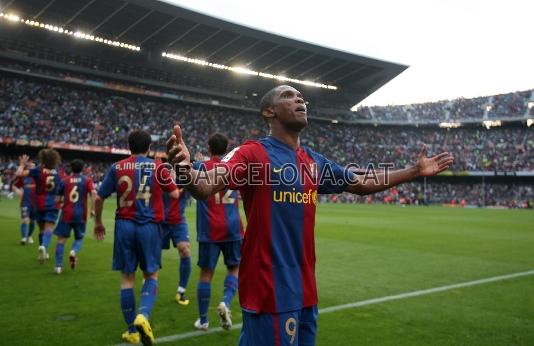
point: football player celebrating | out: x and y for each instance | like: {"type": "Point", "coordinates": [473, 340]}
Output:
{"type": "Point", "coordinates": [25, 188]}
{"type": "Point", "coordinates": [279, 181]}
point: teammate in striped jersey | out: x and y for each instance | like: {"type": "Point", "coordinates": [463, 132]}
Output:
{"type": "Point", "coordinates": [25, 188]}
{"type": "Point", "coordinates": [74, 189]}
{"type": "Point", "coordinates": [139, 183]}
{"type": "Point", "coordinates": [219, 229]}
{"type": "Point", "coordinates": [47, 180]}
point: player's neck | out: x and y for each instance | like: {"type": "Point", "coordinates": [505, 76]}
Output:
{"type": "Point", "coordinates": [291, 139]}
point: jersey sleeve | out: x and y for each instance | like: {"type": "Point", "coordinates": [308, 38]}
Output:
{"type": "Point", "coordinates": [333, 177]}
{"type": "Point", "coordinates": [164, 178]}
{"type": "Point", "coordinates": [197, 165]}
{"type": "Point", "coordinates": [108, 184]}
{"type": "Point", "coordinates": [237, 163]}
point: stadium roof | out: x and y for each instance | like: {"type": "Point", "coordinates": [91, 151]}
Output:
{"type": "Point", "coordinates": [158, 27]}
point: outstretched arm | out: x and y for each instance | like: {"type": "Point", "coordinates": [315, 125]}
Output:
{"type": "Point", "coordinates": [425, 167]}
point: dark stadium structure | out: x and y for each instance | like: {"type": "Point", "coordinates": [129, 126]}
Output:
{"type": "Point", "coordinates": [81, 97]}
{"type": "Point", "coordinates": [158, 27]}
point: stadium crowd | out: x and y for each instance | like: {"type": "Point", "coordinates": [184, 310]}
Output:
{"type": "Point", "coordinates": [490, 194]}
{"type": "Point", "coordinates": [498, 106]}
{"type": "Point", "coordinates": [34, 110]}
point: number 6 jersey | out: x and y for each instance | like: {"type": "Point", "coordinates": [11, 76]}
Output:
{"type": "Point", "coordinates": [139, 183]}
{"type": "Point", "coordinates": [218, 217]}
{"type": "Point", "coordinates": [75, 189]}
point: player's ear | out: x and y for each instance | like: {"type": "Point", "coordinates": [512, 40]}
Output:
{"type": "Point", "coordinates": [268, 112]}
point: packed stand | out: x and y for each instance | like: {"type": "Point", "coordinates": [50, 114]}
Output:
{"type": "Point", "coordinates": [33, 110]}
{"type": "Point", "coordinates": [510, 105]}
{"type": "Point", "coordinates": [454, 195]}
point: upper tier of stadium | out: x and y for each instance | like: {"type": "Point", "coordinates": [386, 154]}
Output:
{"type": "Point", "coordinates": [170, 45]}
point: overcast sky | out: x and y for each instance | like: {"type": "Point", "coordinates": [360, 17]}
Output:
{"type": "Point", "coordinates": [454, 48]}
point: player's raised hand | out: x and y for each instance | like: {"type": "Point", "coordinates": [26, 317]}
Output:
{"type": "Point", "coordinates": [177, 152]}
{"type": "Point", "coordinates": [429, 166]}
{"type": "Point", "coordinates": [99, 231]}
{"type": "Point", "coordinates": [23, 159]}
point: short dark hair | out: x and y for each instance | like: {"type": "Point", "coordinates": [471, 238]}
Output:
{"type": "Point", "coordinates": [139, 141]}
{"type": "Point", "coordinates": [218, 144]}
{"type": "Point", "coordinates": [49, 158]}
{"type": "Point", "coordinates": [268, 99]}
{"type": "Point", "coordinates": [76, 166]}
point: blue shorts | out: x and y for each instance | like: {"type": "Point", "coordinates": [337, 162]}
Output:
{"type": "Point", "coordinates": [63, 229]}
{"type": "Point", "coordinates": [285, 329]}
{"type": "Point", "coordinates": [208, 253]}
{"type": "Point", "coordinates": [177, 233]}
{"type": "Point", "coordinates": [27, 212]}
{"type": "Point", "coordinates": [49, 215]}
{"type": "Point", "coordinates": [136, 244]}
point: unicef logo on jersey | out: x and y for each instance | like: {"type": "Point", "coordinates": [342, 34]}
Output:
{"type": "Point", "coordinates": [296, 197]}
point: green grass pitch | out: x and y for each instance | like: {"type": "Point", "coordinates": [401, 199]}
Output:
{"type": "Point", "coordinates": [363, 252]}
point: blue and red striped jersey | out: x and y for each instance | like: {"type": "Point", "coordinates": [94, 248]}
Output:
{"type": "Point", "coordinates": [139, 183]}
{"type": "Point", "coordinates": [47, 182]}
{"type": "Point", "coordinates": [175, 208]}
{"type": "Point", "coordinates": [75, 189]}
{"type": "Point", "coordinates": [277, 270]}
{"type": "Point", "coordinates": [27, 184]}
{"type": "Point", "coordinates": [218, 218]}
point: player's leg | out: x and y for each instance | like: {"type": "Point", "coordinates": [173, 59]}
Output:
{"type": "Point", "coordinates": [42, 253]}
{"type": "Point", "coordinates": [49, 218]}
{"type": "Point", "coordinates": [180, 237]}
{"type": "Point", "coordinates": [203, 298]}
{"type": "Point", "coordinates": [208, 254]}
{"type": "Point", "coordinates": [31, 227]}
{"type": "Point", "coordinates": [232, 256]}
{"type": "Point", "coordinates": [62, 232]}
{"type": "Point", "coordinates": [79, 233]}
{"type": "Point", "coordinates": [125, 260]}
{"type": "Point", "coordinates": [128, 307]}
{"type": "Point", "coordinates": [24, 224]}
{"type": "Point", "coordinates": [148, 242]}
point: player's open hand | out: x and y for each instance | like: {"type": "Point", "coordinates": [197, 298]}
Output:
{"type": "Point", "coordinates": [23, 159]}
{"type": "Point", "coordinates": [177, 152]}
{"type": "Point", "coordinates": [429, 166]}
{"type": "Point", "coordinates": [99, 231]}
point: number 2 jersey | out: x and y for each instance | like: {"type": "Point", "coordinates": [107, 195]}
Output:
{"type": "Point", "coordinates": [75, 189]}
{"type": "Point", "coordinates": [139, 183]}
{"type": "Point", "coordinates": [218, 218]}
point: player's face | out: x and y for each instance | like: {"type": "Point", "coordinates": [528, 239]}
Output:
{"type": "Point", "coordinates": [290, 109]}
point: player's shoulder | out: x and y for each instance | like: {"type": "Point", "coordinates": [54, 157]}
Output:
{"type": "Point", "coordinates": [312, 152]}
{"type": "Point", "coordinates": [249, 148]}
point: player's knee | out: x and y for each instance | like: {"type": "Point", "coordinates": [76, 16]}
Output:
{"type": "Point", "coordinates": [206, 275]}
{"type": "Point", "coordinates": [233, 270]}
{"type": "Point", "coordinates": [184, 249]}
{"type": "Point", "coordinates": [153, 276]}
